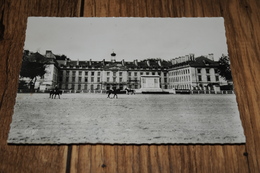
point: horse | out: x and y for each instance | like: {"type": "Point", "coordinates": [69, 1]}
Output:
{"type": "Point", "coordinates": [55, 93]}
{"type": "Point", "coordinates": [114, 91]}
{"type": "Point", "coordinates": [130, 91]}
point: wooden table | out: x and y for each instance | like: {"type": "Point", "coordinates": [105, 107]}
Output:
{"type": "Point", "coordinates": [242, 22]}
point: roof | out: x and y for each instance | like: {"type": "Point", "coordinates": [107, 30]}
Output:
{"type": "Point", "coordinates": [198, 62]}
{"type": "Point", "coordinates": [126, 64]}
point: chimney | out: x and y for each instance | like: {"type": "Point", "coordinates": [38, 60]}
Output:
{"type": "Point", "coordinates": [90, 62]}
{"type": "Point", "coordinates": [192, 57]}
{"type": "Point", "coordinates": [49, 54]}
{"type": "Point", "coordinates": [148, 63]}
{"type": "Point", "coordinates": [136, 62]}
{"type": "Point", "coordinates": [173, 61]}
{"type": "Point", "coordinates": [183, 59]}
{"type": "Point", "coordinates": [186, 58]}
{"type": "Point", "coordinates": [104, 62]}
{"type": "Point", "coordinates": [159, 62]}
{"type": "Point", "coordinates": [123, 62]}
{"type": "Point", "coordinates": [178, 60]}
{"type": "Point", "coordinates": [65, 61]}
{"type": "Point", "coordinates": [211, 56]}
{"type": "Point", "coordinates": [78, 62]}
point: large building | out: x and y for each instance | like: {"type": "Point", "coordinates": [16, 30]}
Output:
{"type": "Point", "coordinates": [103, 75]}
{"type": "Point", "coordinates": [182, 73]}
{"type": "Point", "coordinates": [190, 73]}
{"type": "Point", "coordinates": [37, 82]}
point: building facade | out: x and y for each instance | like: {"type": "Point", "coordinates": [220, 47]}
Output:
{"type": "Point", "coordinates": [182, 73]}
{"type": "Point", "coordinates": [103, 75]}
{"type": "Point", "coordinates": [192, 73]}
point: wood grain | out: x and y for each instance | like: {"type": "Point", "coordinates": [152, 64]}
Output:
{"type": "Point", "coordinates": [242, 22]}
{"type": "Point", "coordinates": [13, 17]}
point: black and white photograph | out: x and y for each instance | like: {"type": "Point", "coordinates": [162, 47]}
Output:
{"type": "Point", "coordinates": [125, 81]}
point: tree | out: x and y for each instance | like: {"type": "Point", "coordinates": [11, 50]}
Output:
{"type": "Point", "coordinates": [224, 69]}
{"type": "Point", "coordinates": [33, 66]}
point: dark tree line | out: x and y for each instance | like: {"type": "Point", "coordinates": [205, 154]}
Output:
{"type": "Point", "coordinates": [33, 66]}
{"type": "Point", "coordinates": [224, 69]}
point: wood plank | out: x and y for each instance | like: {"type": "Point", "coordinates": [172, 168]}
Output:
{"type": "Point", "coordinates": [206, 158]}
{"type": "Point", "coordinates": [13, 17]}
{"type": "Point", "coordinates": [243, 45]}
{"type": "Point", "coordinates": [243, 38]}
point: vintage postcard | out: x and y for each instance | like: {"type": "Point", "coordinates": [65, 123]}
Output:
{"type": "Point", "coordinates": [125, 81]}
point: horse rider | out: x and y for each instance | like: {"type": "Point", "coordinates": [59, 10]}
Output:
{"type": "Point", "coordinates": [56, 88]}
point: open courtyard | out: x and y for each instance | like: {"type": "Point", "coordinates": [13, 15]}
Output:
{"type": "Point", "coordinates": [130, 119]}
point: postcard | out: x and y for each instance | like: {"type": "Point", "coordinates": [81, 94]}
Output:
{"type": "Point", "coordinates": [125, 81]}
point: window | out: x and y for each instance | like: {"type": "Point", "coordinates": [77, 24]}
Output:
{"type": "Point", "coordinates": [129, 73]}
{"type": "Point", "coordinates": [98, 73]}
{"type": "Point", "coordinates": [98, 87]}
{"type": "Point", "coordinates": [120, 79]}
{"type": "Point", "coordinates": [98, 79]}
{"type": "Point", "coordinates": [108, 73]}
{"type": "Point", "coordinates": [120, 73]}
{"type": "Point", "coordinates": [114, 73]}
{"type": "Point", "coordinates": [92, 73]}
{"type": "Point", "coordinates": [208, 78]}
{"type": "Point", "coordinates": [216, 71]}
{"type": "Point", "coordinates": [108, 79]}
{"type": "Point", "coordinates": [86, 73]}
{"type": "Point", "coordinates": [217, 78]}
{"type": "Point", "coordinates": [73, 73]}
{"type": "Point", "coordinates": [80, 72]}
{"type": "Point", "coordinates": [153, 73]}
{"type": "Point", "coordinates": [199, 70]}
{"type": "Point", "coordinates": [147, 73]}
{"type": "Point", "coordinates": [67, 73]}
{"type": "Point", "coordinates": [67, 79]}
{"type": "Point", "coordinates": [165, 74]}
{"type": "Point", "coordinates": [80, 79]}
{"type": "Point", "coordinates": [141, 73]}
{"type": "Point", "coordinates": [92, 87]}
{"type": "Point", "coordinates": [79, 87]}
{"type": "Point", "coordinates": [92, 79]}
{"type": "Point", "coordinates": [114, 79]}
{"type": "Point", "coordinates": [66, 86]}
{"type": "Point", "coordinates": [86, 79]}
{"type": "Point", "coordinates": [199, 78]}
{"type": "Point", "coordinates": [207, 70]}
{"type": "Point", "coordinates": [73, 79]}
{"type": "Point", "coordinates": [135, 73]}
{"type": "Point", "coordinates": [86, 87]}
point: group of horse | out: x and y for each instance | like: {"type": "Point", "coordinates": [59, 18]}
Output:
{"type": "Point", "coordinates": [54, 93]}
{"type": "Point", "coordinates": [117, 91]}
{"type": "Point", "coordinates": [57, 92]}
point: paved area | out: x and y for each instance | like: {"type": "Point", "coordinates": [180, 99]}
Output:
{"type": "Point", "coordinates": [130, 119]}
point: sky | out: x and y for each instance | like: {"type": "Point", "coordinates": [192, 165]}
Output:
{"type": "Point", "coordinates": [129, 38]}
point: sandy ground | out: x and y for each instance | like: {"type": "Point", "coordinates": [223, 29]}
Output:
{"type": "Point", "coordinates": [130, 119]}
